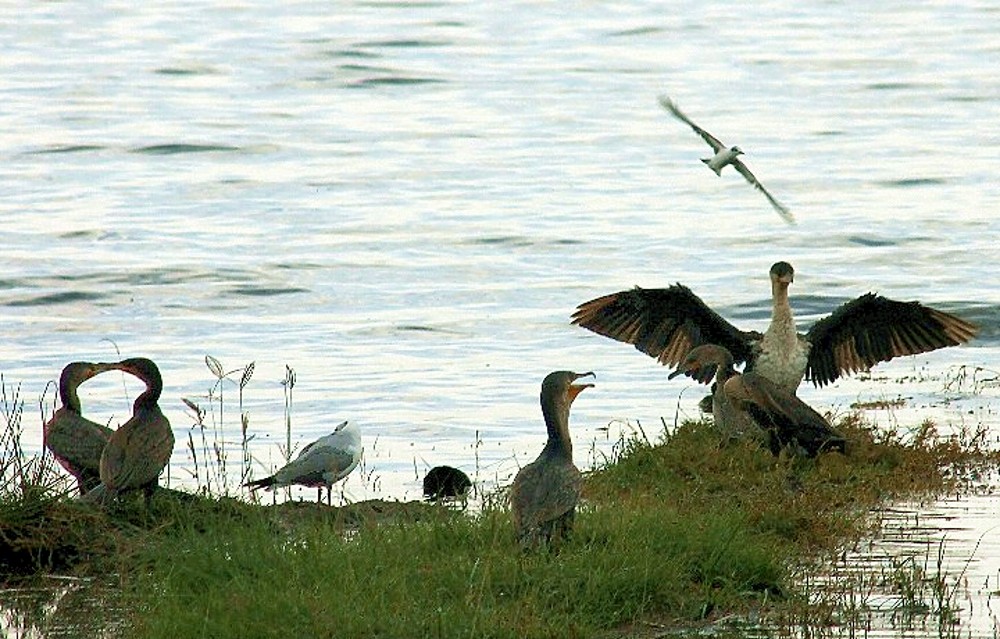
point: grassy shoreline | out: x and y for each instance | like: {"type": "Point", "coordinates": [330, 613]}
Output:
{"type": "Point", "coordinates": [674, 535]}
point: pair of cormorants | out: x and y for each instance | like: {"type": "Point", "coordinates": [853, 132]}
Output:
{"type": "Point", "coordinates": [677, 328]}
{"type": "Point", "coordinates": [108, 462]}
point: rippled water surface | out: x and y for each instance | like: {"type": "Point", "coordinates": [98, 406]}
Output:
{"type": "Point", "coordinates": [404, 202]}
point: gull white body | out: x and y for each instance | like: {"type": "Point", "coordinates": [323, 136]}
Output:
{"type": "Point", "coordinates": [321, 463]}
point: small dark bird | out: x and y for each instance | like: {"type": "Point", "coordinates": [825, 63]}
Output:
{"type": "Point", "coordinates": [545, 492]}
{"type": "Point", "coordinates": [726, 156]}
{"type": "Point", "coordinates": [443, 482]}
{"type": "Point", "coordinates": [666, 323]}
{"type": "Point", "coordinates": [77, 442]}
{"type": "Point", "coordinates": [321, 463]}
{"type": "Point", "coordinates": [745, 405]}
{"type": "Point", "coordinates": [140, 449]}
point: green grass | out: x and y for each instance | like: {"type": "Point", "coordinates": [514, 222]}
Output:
{"type": "Point", "coordinates": [673, 535]}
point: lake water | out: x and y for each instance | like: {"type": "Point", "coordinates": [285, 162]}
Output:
{"type": "Point", "coordinates": [404, 202]}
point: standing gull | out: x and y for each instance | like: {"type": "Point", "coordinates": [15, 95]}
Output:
{"type": "Point", "coordinates": [322, 463]}
{"type": "Point", "coordinates": [75, 441]}
{"type": "Point", "coordinates": [666, 323]}
{"type": "Point", "coordinates": [726, 156]}
{"type": "Point", "coordinates": [544, 494]}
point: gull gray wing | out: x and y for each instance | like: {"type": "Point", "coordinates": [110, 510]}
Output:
{"type": "Point", "coordinates": [712, 141]}
{"type": "Point", "coordinates": [309, 468]}
{"type": "Point", "coordinates": [778, 206]}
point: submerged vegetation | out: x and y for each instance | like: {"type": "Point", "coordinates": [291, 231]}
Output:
{"type": "Point", "coordinates": [672, 534]}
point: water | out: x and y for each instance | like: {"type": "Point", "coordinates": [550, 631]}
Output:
{"type": "Point", "coordinates": [404, 202]}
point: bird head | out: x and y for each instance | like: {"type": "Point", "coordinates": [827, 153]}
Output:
{"type": "Point", "coordinates": [76, 373]}
{"type": "Point", "coordinates": [736, 150]}
{"type": "Point", "coordinates": [702, 362]}
{"type": "Point", "coordinates": [142, 368]}
{"type": "Point", "coordinates": [560, 384]}
{"type": "Point", "coordinates": [782, 272]}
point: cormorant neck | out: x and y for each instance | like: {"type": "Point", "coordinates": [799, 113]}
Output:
{"type": "Point", "coordinates": [149, 397]}
{"type": "Point", "coordinates": [556, 416]}
{"type": "Point", "coordinates": [725, 370]}
{"type": "Point", "coordinates": [68, 396]}
{"type": "Point", "coordinates": [781, 314]}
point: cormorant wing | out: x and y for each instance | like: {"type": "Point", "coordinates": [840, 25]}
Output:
{"type": "Point", "coordinates": [544, 492]}
{"type": "Point", "coordinates": [790, 418]}
{"type": "Point", "coordinates": [75, 439]}
{"type": "Point", "coordinates": [873, 329]}
{"type": "Point", "coordinates": [778, 206]}
{"type": "Point", "coordinates": [712, 141]}
{"type": "Point", "coordinates": [665, 323]}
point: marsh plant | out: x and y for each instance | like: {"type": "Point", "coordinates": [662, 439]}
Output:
{"type": "Point", "coordinates": [211, 469]}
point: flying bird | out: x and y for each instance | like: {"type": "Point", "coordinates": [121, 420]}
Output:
{"type": "Point", "coordinates": [666, 323]}
{"type": "Point", "coordinates": [75, 441]}
{"type": "Point", "coordinates": [746, 405]}
{"type": "Point", "coordinates": [321, 463]}
{"type": "Point", "coordinates": [726, 156]}
{"type": "Point", "coordinates": [545, 492]}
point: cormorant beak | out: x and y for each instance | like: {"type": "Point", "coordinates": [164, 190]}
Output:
{"type": "Point", "coordinates": [97, 369]}
{"type": "Point", "coordinates": [112, 366]}
{"type": "Point", "coordinates": [576, 389]}
{"type": "Point", "coordinates": [685, 368]}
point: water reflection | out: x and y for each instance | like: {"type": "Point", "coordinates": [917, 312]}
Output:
{"type": "Point", "coordinates": [933, 569]}
{"type": "Point", "coordinates": [56, 606]}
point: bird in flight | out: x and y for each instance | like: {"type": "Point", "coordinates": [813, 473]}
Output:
{"type": "Point", "coordinates": [726, 156]}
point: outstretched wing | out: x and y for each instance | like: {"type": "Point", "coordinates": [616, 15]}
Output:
{"type": "Point", "coordinates": [713, 142]}
{"type": "Point", "coordinates": [873, 329]}
{"type": "Point", "coordinates": [665, 323]}
{"type": "Point", "coordinates": [778, 206]}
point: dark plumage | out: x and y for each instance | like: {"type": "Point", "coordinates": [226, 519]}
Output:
{"type": "Point", "coordinates": [667, 323]}
{"type": "Point", "coordinates": [545, 492]}
{"type": "Point", "coordinates": [445, 481]}
{"type": "Point", "coordinates": [139, 450]}
{"type": "Point", "coordinates": [748, 402]}
{"type": "Point", "coordinates": [731, 422]}
{"type": "Point", "coordinates": [74, 441]}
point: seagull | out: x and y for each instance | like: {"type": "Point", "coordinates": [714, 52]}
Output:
{"type": "Point", "coordinates": [726, 156]}
{"type": "Point", "coordinates": [322, 463]}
